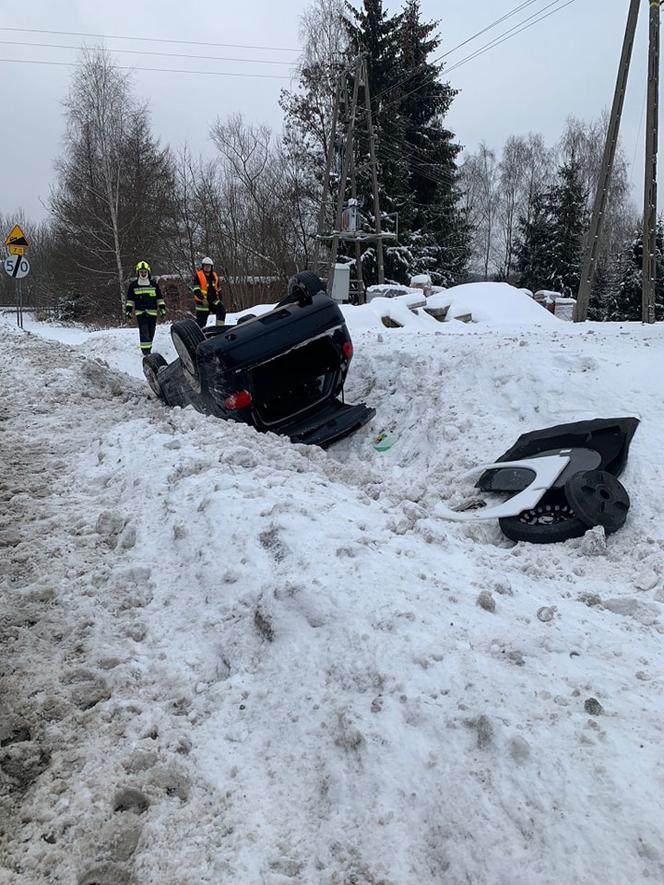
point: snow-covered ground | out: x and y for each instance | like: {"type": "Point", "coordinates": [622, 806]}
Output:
{"type": "Point", "coordinates": [229, 659]}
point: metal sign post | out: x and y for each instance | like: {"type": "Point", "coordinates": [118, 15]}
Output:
{"type": "Point", "coordinates": [18, 267]}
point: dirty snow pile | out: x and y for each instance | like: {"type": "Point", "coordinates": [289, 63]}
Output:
{"type": "Point", "coordinates": [229, 659]}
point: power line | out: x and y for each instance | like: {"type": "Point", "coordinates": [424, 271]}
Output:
{"type": "Point", "coordinates": [147, 39]}
{"type": "Point", "coordinates": [502, 38]}
{"type": "Point", "coordinates": [443, 178]}
{"type": "Point", "coordinates": [507, 35]}
{"type": "Point", "coordinates": [426, 65]}
{"type": "Point", "coordinates": [260, 61]}
{"type": "Point", "coordinates": [523, 21]}
{"type": "Point", "coordinates": [498, 21]}
{"type": "Point", "coordinates": [73, 64]}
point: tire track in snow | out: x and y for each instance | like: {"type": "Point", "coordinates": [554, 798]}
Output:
{"type": "Point", "coordinates": [392, 729]}
{"type": "Point", "coordinates": [87, 769]}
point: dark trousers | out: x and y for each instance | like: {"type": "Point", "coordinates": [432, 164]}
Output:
{"type": "Point", "coordinates": [146, 327]}
{"type": "Point", "coordinates": [202, 315]}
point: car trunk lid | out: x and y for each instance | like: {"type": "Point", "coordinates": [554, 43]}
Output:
{"type": "Point", "coordinates": [329, 423]}
{"type": "Point", "coordinates": [295, 394]}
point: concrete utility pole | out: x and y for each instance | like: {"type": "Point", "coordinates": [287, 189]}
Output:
{"type": "Point", "coordinates": [599, 207]}
{"type": "Point", "coordinates": [328, 169]}
{"type": "Point", "coordinates": [650, 190]}
{"type": "Point", "coordinates": [380, 269]}
{"type": "Point", "coordinates": [349, 166]}
{"type": "Point", "coordinates": [345, 168]}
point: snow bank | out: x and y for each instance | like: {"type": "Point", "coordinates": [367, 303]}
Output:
{"type": "Point", "coordinates": [231, 659]}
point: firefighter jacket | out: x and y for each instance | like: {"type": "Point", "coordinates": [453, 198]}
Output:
{"type": "Point", "coordinates": [205, 289]}
{"type": "Point", "coordinates": [145, 298]}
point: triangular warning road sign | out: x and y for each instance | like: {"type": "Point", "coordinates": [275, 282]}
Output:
{"type": "Point", "coordinates": [16, 237]}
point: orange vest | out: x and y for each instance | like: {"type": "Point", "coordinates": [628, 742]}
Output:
{"type": "Point", "coordinates": [203, 282]}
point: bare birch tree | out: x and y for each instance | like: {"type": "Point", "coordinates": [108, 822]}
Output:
{"type": "Point", "coordinates": [98, 110]}
{"type": "Point", "coordinates": [112, 202]}
{"type": "Point", "coordinates": [479, 181]}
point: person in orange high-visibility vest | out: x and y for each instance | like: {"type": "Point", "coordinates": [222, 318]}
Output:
{"type": "Point", "coordinates": [207, 296]}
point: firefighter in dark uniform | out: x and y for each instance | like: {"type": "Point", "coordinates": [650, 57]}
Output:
{"type": "Point", "coordinates": [207, 296]}
{"type": "Point", "coordinates": [144, 298]}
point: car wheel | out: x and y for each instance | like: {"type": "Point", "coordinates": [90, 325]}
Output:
{"type": "Point", "coordinates": [151, 365]}
{"type": "Point", "coordinates": [553, 520]}
{"type": "Point", "coordinates": [187, 335]}
{"type": "Point", "coordinates": [598, 498]}
{"type": "Point", "coordinates": [311, 282]}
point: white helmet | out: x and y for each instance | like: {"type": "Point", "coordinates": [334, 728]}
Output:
{"type": "Point", "coordinates": [207, 260]}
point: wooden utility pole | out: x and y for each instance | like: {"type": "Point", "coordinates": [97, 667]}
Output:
{"type": "Point", "coordinates": [650, 190]}
{"type": "Point", "coordinates": [599, 207]}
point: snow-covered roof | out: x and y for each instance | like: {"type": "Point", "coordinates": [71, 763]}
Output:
{"type": "Point", "coordinates": [492, 303]}
{"type": "Point", "coordinates": [421, 279]}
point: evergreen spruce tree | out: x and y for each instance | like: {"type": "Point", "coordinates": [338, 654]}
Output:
{"type": "Point", "coordinates": [549, 250]}
{"type": "Point", "coordinates": [534, 248]}
{"type": "Point", "coordinates": [372, 31]}
{"type": "Point", "coordinates": [440, 232]}
{"type": "Point", "coordinates": [606, 287]}
{"type": "Point", "coordinates": [567, 203]}
{"type": "Point", "coordinates": [416, 153]}
{"type": "Point", "coordinates": [627, 304]}
{"type": "Point", "coordinates": [603, 292]}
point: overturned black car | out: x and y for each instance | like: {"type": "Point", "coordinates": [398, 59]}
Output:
{"type": "Point", "coordinates": [283, 371]}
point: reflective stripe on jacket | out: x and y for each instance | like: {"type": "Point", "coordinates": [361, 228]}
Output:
{"type": "Point", "coordinates": [145, 297]}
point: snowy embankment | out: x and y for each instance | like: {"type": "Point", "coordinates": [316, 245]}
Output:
{"type": "Point", "coordinates": [228, 659]}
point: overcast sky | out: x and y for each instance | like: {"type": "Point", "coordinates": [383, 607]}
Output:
{"type": "Point", "coordinates": [564, 65]}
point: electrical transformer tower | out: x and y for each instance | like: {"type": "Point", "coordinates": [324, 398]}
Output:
{"type": "Point", "coordinates": [359, 109]}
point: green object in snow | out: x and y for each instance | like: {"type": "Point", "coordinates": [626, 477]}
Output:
{"type": "Point", "coordinates": [384, 441]}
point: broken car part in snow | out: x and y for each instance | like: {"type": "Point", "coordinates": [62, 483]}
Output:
{"type": "Point", "coordinates": [558, 493]}
{"type": "Point", "coordinates": [545, 471]}
{"type": "Point", "coordinates": [283, 371]}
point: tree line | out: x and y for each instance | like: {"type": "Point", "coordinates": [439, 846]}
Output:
{"type": "Point", "coordinates": [529, 210]}
{"type": "Point", "coordinates": [519, 214]}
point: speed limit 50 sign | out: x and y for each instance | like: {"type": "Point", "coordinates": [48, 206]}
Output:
{"type": "Point", "coordinates": [17, 266]}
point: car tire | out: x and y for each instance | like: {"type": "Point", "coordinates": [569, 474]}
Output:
{"type": "Point", "coordinates": [550, 522]}
{"type": "Point", "coordinates": [598, 498]}
{"type": "Point", "coordinates": [151, 365]}
{"type": "Point", "coordinates": [311, 282]}
{"type": "Point", "coordinates": [187, 335]}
